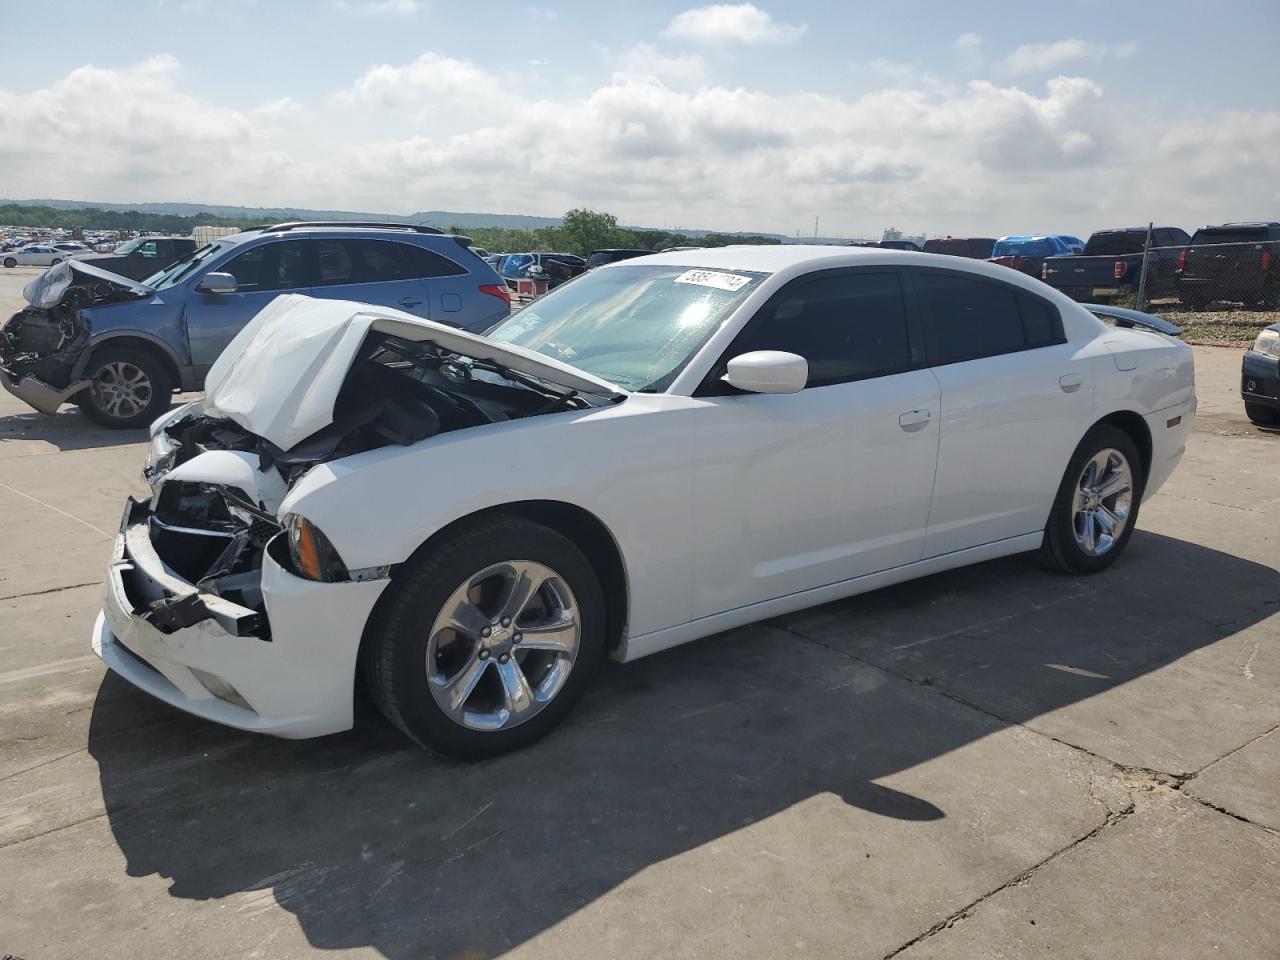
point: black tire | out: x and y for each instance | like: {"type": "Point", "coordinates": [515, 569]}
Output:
{"type": "Point", "coordinates": [97, 403]}
{"type": "Point", "coordinates": [1061, 550]}
{"type": "Point", "coordinates": [396, 644]}
{"type": "Point", "coordinates": [55, 261]}
{"type": "Point", "coordinates": [1262, 416]}
{"type": "Point", "coordinates": [10, 262]}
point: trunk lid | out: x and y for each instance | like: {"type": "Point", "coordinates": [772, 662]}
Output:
{"type": "Point", "coordinates": [281, 375]}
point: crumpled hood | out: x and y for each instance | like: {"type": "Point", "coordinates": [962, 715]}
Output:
{"type": "Point", "coordinates": [47, 289]}
{"type": "Point", "coordinates": [279, 378]}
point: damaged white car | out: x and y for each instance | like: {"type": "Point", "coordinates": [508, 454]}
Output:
{"type": "Point", "coordinates": [662, 449]}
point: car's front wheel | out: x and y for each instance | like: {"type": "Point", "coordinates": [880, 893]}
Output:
{"type": "Point", "coordinates": [10, 262]}
{"type": "Point", "coordinates": [128, 388]}
{"type": "Point", "coordinates": [487, 638]}
{"type": "Point", "coordinates": [1096, 507]}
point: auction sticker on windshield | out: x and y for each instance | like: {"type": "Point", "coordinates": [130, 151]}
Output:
{"type": "Point", "coordinates": [713, 278]}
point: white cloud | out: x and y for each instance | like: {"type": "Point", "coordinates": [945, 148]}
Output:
{"type": "Point", "coordinates": [146, 137]}
{"type": "Point", "coordinates": [646, 60]}
{"type": "Point", "coordinates": [724, 23]}
{"type": "Point", "coordinates": [429, 81]}
{"type": "Point", "coordinates": [1048, 57]}
{"type": "Point", "coordinates": [968, 43]}
{"type": "Point", "coordinates": [983, 158]}
{"type": "Point", "coordinates": [402, 7]}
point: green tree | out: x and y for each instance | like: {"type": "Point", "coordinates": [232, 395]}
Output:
{"type": "Point", "coordinates": [582, 231]}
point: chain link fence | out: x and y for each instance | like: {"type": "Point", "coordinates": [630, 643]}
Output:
{"type": "Point", "coordinates": [1223, 287]}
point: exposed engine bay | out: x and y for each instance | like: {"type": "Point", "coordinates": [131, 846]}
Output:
{"type": "Point", "coordinates": [213, 535]}
{"type": "Point", "coordinates": [46, 339]}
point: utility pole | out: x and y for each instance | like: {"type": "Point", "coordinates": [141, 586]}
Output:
{"type": "Point", "coordinates": [815, 228]}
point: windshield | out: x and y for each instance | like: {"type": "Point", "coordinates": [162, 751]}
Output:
{"type": "Point", "coordinates": [129, 246]}
{"type": "Point", "coordinates": [183, 268]}
{"type": "Point", "coordinates": [1038, 247]}
{"type": "Point", "coordinates": [636, 326]}
{"type": "Point", "coordinates": [1229, 235]}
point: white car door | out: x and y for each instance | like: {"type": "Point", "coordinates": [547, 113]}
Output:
{"type": "Point", "coordinates": [1016, 399]}
{"type": "Point", "coordinates": [795, 491]}
{"type": "Point", "coordinates": [36, 257]}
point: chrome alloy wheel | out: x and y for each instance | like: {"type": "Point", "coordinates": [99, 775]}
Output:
{"type": "Point", "coordinates": [121, 389]}
{"type": "Point", "coordinates": [503, 645]}
{"type": "Point", "coordinates": [1103, 498]}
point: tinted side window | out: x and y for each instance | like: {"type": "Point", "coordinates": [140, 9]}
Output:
{"type": "Point", "coordinates": [424, 263]}
{"type": "Point", "coordinates": [966, 319]}
{"type": "Point", "coordinates": [848, 327]}
{"type": "Point", "coordinates": [1041, 324]}
{"type": "Point", "coordinates": [333, 263]}
{"type": "Point", "coordinates": [272, 266]}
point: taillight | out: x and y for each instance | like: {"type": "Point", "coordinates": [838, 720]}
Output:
{"type": "Point", "coordinates": [1044, 271]}
{"type": "Point", "coordinates": [502, 292]}
{"type": "Point", "coordinates": [1121, 268]}
{"type": "Point", "coordinates": [1266, 259]}
{"type": "Point", "coordinates": [1182, 260]}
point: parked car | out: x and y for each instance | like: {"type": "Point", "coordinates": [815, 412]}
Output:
{"type": "Point", "coordinates": [70, 246]}
{"type": "Point", "coordinates": [1237, 262]}
{"type": "Point", "coordinates": [34, 255]}
{"type": "Point", "coordinates": [557, 267]}
{"type": "Point", "coordinates": [1074, 244]}
{"type": "Point", "coordinates": [141, 257]}
{"type": "Point", "coordinates": [598, 258]}
{"type": "Point", "coordinates": [119, 348]}
{"type": "Point", "coordinates": [1027, 254]}
{"type": "Point", "coordinates": [1260, 378]}
{"type": "Point", "coordinates": [887, 244]}
{"type": "Point", "coordinates": [976, 248]}
{"type": "Point", "coordinates": [663, 449]}
{"type": "Point", "coordinates": [1111, 265]}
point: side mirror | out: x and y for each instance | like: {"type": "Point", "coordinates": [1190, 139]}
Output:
{"type": "Point", "coordinates": [217, 283]}
{"type": "Point", "coordinates": [768, 371]}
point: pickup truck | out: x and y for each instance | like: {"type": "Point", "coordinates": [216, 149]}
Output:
{"type": "Point", "coordinates": [1237, 262]}
{"type": "Point", "coordinates": [140, 258]}
{"type": "Point", "coordinates": [1111, 265]}
{"type": "Point", "coordinates": [1027, 254]}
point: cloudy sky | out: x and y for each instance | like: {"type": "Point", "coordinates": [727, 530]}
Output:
{"type": "Point", "coordinates": [936, 117]}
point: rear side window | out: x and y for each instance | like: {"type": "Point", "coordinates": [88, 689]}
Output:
{"type": "Point", "coordinates": [848, 327]}
{"type": "Point", "coordinates": [421, 263]}
{"type": "Point", "coordinates": [966, 319]}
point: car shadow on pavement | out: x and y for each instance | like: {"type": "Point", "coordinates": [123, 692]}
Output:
{"type": "Point", "coordinates": [68, 429]}
{"type": "Point", "coordinates": [369, 842]}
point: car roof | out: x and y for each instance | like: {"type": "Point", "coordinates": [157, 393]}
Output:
{"type": "Point", "coordinates": [1258, 224]}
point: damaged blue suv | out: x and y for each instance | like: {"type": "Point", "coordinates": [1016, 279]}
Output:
{"type": "Point", "coordinates": [120, 348]}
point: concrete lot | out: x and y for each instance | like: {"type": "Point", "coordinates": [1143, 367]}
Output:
{"type": "Point", "coordinates": [995, 762]}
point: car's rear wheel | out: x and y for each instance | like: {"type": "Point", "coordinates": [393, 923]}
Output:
{"type": "Point", "coordinates": [129, 388]}
{"type": "Point", "coordinates": [1096, 508]}
{"type": "Point", "coordinates": [10, 262]}
{"type": "Point", "coordinates": [1262, 416]}
{"type": "Point", "coordinates": [55, 261]}
{"type": "Point", "coordinates": [487, 638]}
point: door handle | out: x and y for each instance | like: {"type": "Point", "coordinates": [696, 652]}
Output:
{"type": "Point", "coordinates": [913, 418]}
{"type": "Point", "coordinates": [409, 302]}
{"type": "Point", "coordinates": [1070, 382]}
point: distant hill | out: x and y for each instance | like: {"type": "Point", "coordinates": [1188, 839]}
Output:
{"type": "Point", "coordinates": [433, 218]}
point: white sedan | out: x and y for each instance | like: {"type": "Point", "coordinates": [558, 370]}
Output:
{"type": "Point", "coordinates": [662, 449]}
{"type": "Point", "coordinates": [35, 255]}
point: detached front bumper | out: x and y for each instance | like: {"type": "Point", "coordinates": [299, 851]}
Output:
{"type": "Point", "coordinates": [299, 683]}
{"type": "Point", "coordinates": [38, 394]}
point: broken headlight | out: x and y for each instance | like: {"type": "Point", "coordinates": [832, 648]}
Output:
{"type": "Point", "coordinates": [310, 552]}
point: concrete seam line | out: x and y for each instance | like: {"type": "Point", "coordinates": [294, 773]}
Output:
{"type": "Point", "coordinates": [1018, 879]}
{"type": "Point", "coordinates": [45, 833]}
{"type": "Point", "coordinates": [1235, 750]}
{"type": "Point", "coordinates": [41, 593]}
{"type": "Point", "coordinates": [42, 763]}
{"type": "Point", "coordinates": [44, 669]}
{"type": "Point", "coordinates": [71, 516]}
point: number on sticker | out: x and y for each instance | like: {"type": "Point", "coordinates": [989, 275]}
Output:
{"type": "Point", "coordinates": [714, 278]}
